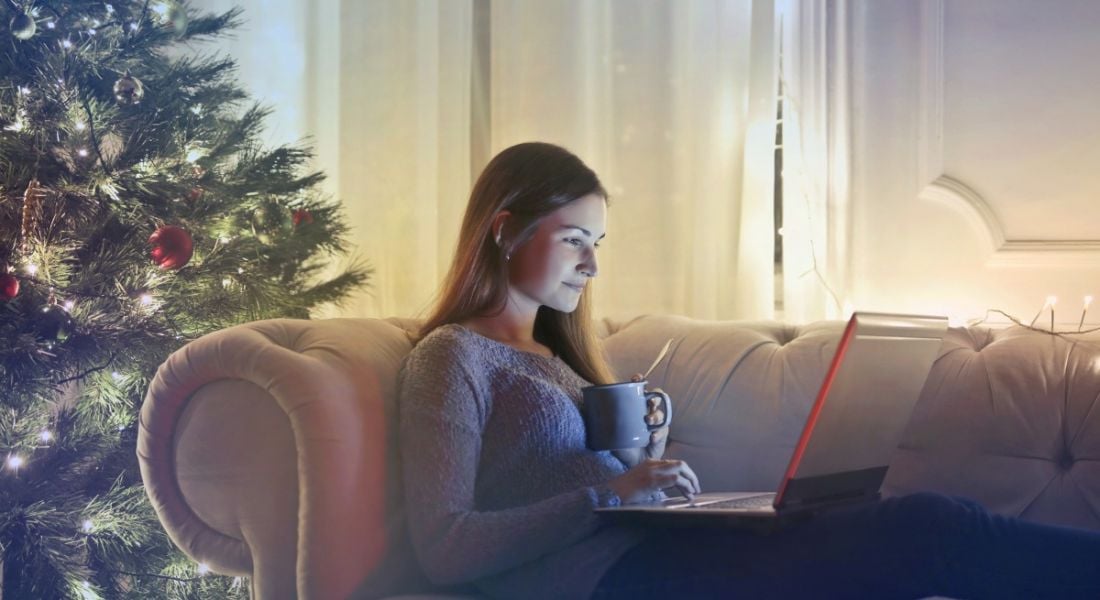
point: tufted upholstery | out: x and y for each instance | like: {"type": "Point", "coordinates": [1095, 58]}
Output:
{"type": "Point", "coordinates": [265, 451]}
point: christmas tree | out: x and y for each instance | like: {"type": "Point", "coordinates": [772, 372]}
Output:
{"type": "Point", "coordinates": [138, 211]}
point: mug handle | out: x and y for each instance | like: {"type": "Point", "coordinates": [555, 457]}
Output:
{"type": "Point", "coordinates": [666, 405]}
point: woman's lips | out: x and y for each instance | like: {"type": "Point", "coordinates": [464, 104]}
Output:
{"type": "Point", "coordinates": [575, 287]}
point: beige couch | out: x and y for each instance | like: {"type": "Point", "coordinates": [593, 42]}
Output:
{"type": "Point", "coordinates": [267, 449]}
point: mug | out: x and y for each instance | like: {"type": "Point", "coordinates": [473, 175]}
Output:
{"type": "Point", "coordinates": [614, 415]}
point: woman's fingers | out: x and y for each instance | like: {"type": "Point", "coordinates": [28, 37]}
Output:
{"type": "Point", "coordinates": [636, 377]}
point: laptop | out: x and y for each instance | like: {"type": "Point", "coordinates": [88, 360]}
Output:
{"type": "Point", "coordinates": [855, 424]}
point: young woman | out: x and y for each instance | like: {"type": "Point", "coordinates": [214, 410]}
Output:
{"type": "Point", "coordinates": [499, 486]}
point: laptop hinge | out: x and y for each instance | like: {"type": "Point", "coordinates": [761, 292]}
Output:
{"type": "Point", "coordinates": [834, 488]}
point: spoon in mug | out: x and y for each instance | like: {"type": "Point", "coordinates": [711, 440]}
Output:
{"type": "Point", "coordinates": [659, 357]}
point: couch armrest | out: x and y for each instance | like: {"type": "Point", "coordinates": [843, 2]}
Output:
{"type": "Point", "coordinates": [264, 455]}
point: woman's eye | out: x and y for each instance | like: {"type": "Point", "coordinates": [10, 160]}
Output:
{"type": "Point", "coordinates": [577, 242]}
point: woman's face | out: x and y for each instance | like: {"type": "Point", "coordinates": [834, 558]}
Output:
{"type": "Point", "coordinates": [553, 267]}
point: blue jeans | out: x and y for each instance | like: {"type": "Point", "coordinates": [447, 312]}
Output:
{"type": "Point", "coordinates": [905, 547]}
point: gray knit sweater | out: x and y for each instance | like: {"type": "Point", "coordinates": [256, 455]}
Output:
{"type": "Point", "coordinates": [499, 486]}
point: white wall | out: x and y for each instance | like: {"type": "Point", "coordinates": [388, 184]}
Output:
{"type": "Point", "coordinates": [974, 156]}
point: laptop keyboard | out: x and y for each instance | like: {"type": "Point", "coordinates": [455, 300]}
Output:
{"type": "Point", "coordinates": [749, 502]}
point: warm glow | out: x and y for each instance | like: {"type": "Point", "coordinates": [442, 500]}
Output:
{"type": "Point", "coordinates": [1088, 301]}
{"type": "Point", "coordinates": [1051, 301]}
{"type": "Point", "coordinates": [32, 269]}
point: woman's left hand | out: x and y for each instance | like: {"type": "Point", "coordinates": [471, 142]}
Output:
{"type": "Point", "coordinates": [658, 438]}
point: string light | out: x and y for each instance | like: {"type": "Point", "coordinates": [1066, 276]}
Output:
{"type": "Point", "coordinates": [14, 462]}
{"type": "Point", "coordinates": [146, 299]}
{"type": "Point", "coordinates": [1085, 310]}
{"type": "Point", "coordinates": [45, 436]}
{"type": "Point", "coordinates": [32, 269]}
{"type": "Point", "coordinates": [87, 526]}
{"type": "Point", "coordinates": [203, 568]}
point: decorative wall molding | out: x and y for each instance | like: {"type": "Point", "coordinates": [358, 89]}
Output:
{"type": "Point", "coordinates": [953, 193]}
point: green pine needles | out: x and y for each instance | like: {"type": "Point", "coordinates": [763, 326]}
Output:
{"type": "Point", "coordinates": [138, 211]}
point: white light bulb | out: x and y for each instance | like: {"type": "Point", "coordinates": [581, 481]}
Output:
{"type": "Point", "coordinates": [82, 152]}
{"type": "Point", "coordinates": [146, 299]}
{"type": "Point", "coordinates": [14, 461]}
{"type": "Point", "coordinates": [226, 282]}
{"type": "Point", "coordinates": [50, 25]}
{"type": "Point", "coordinates": [134, 26]}
{"type": "Point", "coordinates": [32, 269]}
{"type": "Point", "coordinates": [69, 305]}
{"type": "Point", "coordinates": [194, 154]}
{"type": "Point", "coordinates": [45, 435]}
{"type": "Point", "coordinates": [203, 568]}
{"type": "Point", "coordinates": [1052, 300]}
{"type": "Point", "coordinates": [66, 44]}
{"type": "Point", "coordinates": [1088, 301]}
{"type": "Point", "coordinates": [87, 526]}
{"type": "Point", "coordinates": [116, 375]}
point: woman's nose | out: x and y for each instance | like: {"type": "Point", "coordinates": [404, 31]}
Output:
{"type": "Point", "coordinates": [589, 267]}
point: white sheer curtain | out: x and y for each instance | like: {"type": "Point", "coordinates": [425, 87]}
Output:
{"type": "Point", "coordinates": [671, 102]}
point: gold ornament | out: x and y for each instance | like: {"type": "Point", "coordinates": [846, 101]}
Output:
{"type": "Point", "coordinates": [23, 26]}
{"type": "Point", "coordinates": [129, 90]}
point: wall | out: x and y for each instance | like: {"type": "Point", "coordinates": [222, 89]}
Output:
{"type": "Point", "coordinates": [974, 162]}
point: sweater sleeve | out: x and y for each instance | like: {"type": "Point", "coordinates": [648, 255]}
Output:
{"type": "Point", "coordinates": [441, 422]}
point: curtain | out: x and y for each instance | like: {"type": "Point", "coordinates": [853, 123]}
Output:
{"type": "Point", "coordinates": [672, 102]}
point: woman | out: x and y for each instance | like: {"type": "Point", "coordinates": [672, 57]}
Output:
{"type": "Point", "coordinates": [500, 488]}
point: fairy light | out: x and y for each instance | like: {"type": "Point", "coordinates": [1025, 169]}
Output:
{"type": "Point", "coordinates": [146, 299]}
{"type": "Point", "coordinates": [226, 282]}
{"type": "Point", "coordinates": [203, 568]}
{"type": "Point", "coordinates": [45, 436]}
{"type": "Point", "coordinates": [66, 44]}
{"type": "Point", "coordinates": [87, 526]}
{"type": "Point", "coordinates": [69, 305]}
{"type": "Point", "coordinates": [32, 269]}
{"type": "Point", "coordinates": [1084, 311]}
{"type": "Point", "coordinates": [82, 152]}
{"type": "Point", "coordinates": [116, 376]}
{"type": "Point", "coordinates": [14, 461]}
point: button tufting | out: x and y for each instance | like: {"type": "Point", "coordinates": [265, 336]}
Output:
{"type": "Point", "coordinates": [1064, 460]}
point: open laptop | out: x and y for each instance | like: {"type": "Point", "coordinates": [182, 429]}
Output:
{"type": "Point", "coordinates": [853, 428]}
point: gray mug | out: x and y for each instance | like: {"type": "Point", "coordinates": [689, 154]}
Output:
{"type": "Point", "coordinates": [614, 415]}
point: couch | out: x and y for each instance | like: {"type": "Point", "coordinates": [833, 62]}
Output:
{"type": "Point", "coordinates": [267, 448]}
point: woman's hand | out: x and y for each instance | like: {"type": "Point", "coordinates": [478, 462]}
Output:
{"type": "Point", "coordinates": [640, 483]}
{"type": "Point", "coordinates": [658, 438]}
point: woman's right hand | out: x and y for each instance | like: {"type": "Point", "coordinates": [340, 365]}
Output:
{"type": "Point", "coordinates": [650, 476]}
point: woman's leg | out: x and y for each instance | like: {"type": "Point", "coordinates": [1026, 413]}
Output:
{"type": "Point", "coordinates": [906, 547]}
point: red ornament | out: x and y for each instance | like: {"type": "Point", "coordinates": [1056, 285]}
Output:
{"type": "Point", "coordinates": [301, 216]}
{"type": "Point", "coordinates": [172, 247]}
{"type": "Point", "coordinates": [9, 286]}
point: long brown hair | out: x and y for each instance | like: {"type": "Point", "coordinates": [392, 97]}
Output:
{"type": "Point", "coordinates": [531, 180]}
